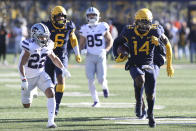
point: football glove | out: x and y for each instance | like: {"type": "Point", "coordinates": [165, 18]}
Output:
{"type": "Point", "coordinates": [24, 84]}
{"type": "Point", "coordinates": [120, 58]}
{"type": "Point", "coordinates": [78, 58]}
{"type": "Point", "coordinates": [66, 73]}
{"type": "Point", "coordinates": [170, 71]}
{"type": "Point", "coordinates": [155, 40]}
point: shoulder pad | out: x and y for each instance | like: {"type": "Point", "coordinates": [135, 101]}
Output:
{"type": "Point", "coordinates": [157, 30]}
{"type": "Point", "coordinates": [130, 26]}
{"type": "Point", "coordinates": [154, 26]}
{"type": "Point", "coordinates": [105, 25]}
{"type": "Point", "coordinates": [159, 27]}
{"type": "Point", "coordinates": [46, 22]}
{"type": "Point", "coordinates": [126, 30]}
{"type": "Point", "coordinates": [25, 44]}
{"type": "Point", "coordinates": [82, 27]}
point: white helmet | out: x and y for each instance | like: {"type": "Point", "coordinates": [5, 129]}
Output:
{"type": "Point", "coordinates": [41, 34]}
{"type": "Point", "coordinates": [95, 19]}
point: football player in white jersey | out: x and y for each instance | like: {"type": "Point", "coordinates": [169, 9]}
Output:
{"type": "Point", "coordinates": [31, 68]}
{"type": "Point", "coordinates": [96, 37]}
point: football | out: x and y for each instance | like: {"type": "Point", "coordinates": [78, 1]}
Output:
{"type": "Point", "coordinates": [123, 50]}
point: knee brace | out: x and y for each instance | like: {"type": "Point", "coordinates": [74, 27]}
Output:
{"type": "Point", "coordinates": [60, 88]}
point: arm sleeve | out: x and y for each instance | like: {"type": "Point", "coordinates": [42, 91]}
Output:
{"type": "Point", "coordinates": [25, 45]}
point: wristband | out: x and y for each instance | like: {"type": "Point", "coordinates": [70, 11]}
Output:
{"type": "Point", "coordinates": [23, 78]}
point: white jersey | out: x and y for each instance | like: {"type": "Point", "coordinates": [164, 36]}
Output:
{"type": "Point", "coordinates": [94, 35]}
{"type": "Point", "coordinates": [20, 33]}
{"type": "Point", "coordinates": [37, 58]}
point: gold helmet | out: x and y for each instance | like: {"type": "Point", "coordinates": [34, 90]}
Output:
{"type": "Point", "coordinates": [58, 16]}
{"type": "Point", "coordinates": [143, 20]}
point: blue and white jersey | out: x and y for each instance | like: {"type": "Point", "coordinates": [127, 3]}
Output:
{"type": "Point", "coordinates": [94, 35]}
{"type": "Point", "coordinates": [37, 58]}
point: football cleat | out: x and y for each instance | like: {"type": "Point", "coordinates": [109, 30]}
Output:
{"type": "Point", "coordinates": [138, 110]}
{"type": "Point", "coordinates": [151, 121]}
{"type": "Point", "coordinates": [105, 93]}
{"type": "Point", "coordinates": [51, 125]}
{"type": "Point", "coordinates": [144, 114]}
{"type": "Point", "coordinates": [35, 93]}
{"type": "Point", "coordinates": [96, 104]}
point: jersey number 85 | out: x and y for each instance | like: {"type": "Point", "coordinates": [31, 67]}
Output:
{"type": "Point", "coordinates": [94, 40]}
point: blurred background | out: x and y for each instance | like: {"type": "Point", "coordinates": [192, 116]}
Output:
{"type": "Point", "coordinates": [177, 17]}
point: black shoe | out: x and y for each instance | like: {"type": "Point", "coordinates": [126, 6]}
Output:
{"type": "Point", "coordinates": [138, 110]}
{"type": "Point", "coordinates": [144, 114]}
{"type": "Point", "coordinates": [105, 93]}
{"type": "Point", "coordinates": [151, 121]}
{"type": "Point", "coordinates": [57, 109]}
{"type": "Point", "coordinates": [96, 104]}
{"type": "Point", "coordinates": [52, 125]}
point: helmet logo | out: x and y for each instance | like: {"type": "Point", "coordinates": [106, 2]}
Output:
{"type": "Point", "coordinates": [93, 19]}
{"type": "Point", "coordinates": [40, 33]}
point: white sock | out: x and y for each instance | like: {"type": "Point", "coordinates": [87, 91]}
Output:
{"type": "Point", "coordinates": [104, 85]}
{"type": "Point", "coordinates": [51, 109]}
{"type": "Point", "coordinates": [91, 86]}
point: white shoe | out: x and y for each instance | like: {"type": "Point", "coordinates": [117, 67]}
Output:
{"type": "Point", "coordinates": [35, 93]}
{"type": "Point", "coordinates": [51, 125]}
{"type": "Point", "coordinates": [96, 104]}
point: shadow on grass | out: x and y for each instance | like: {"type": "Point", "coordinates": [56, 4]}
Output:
{"type": "Point", "coordinates": [176, 117]}
{"type": "Point", "coordinates": [72, 124]}
{"type": "Point", "coordinates": [93, 123]}
{"type": "Point", "coordinates": [76, 119]}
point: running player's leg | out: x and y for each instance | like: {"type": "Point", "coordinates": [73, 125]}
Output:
{"type": "Point", "coordinates": [27, 95]}
{"type": "Point", "coordinates": [45, 84]}
{"type": "Point", "coordinates": [150, 89]}
{"type": "Point", "coordinates": [138, 77]}
{"type": "Point", "coordinates": [90, 68]}
{"type": "Point", "coordinates": [60, 87]}
{"type": "Point", "coordinates": [101, 68]}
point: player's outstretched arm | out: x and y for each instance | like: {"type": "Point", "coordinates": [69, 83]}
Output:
{"type": "Point", "coordinates": [109, 41]}
{"type": "Point", "coordinates": [56, 60]}
{"type": "Point", "coordinates": [24, 56]}
{"type": "Point", "coordinates": [59, 64]}
{"type": "Point", "coordinates": [170, 69]}
{"type": "Point", "coordinates": [74, 44]}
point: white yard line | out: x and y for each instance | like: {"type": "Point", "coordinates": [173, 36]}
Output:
{"type": "Point", "coordinates": [135, 121]}
{"type": "Point", "coordinates": [106, 105]}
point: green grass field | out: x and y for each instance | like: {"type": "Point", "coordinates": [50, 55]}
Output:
{"type": "Point", "coordinates": [175, 108]}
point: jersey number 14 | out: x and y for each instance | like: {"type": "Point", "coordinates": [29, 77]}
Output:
{"type": "Point", "coordinates": [143, 48]}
